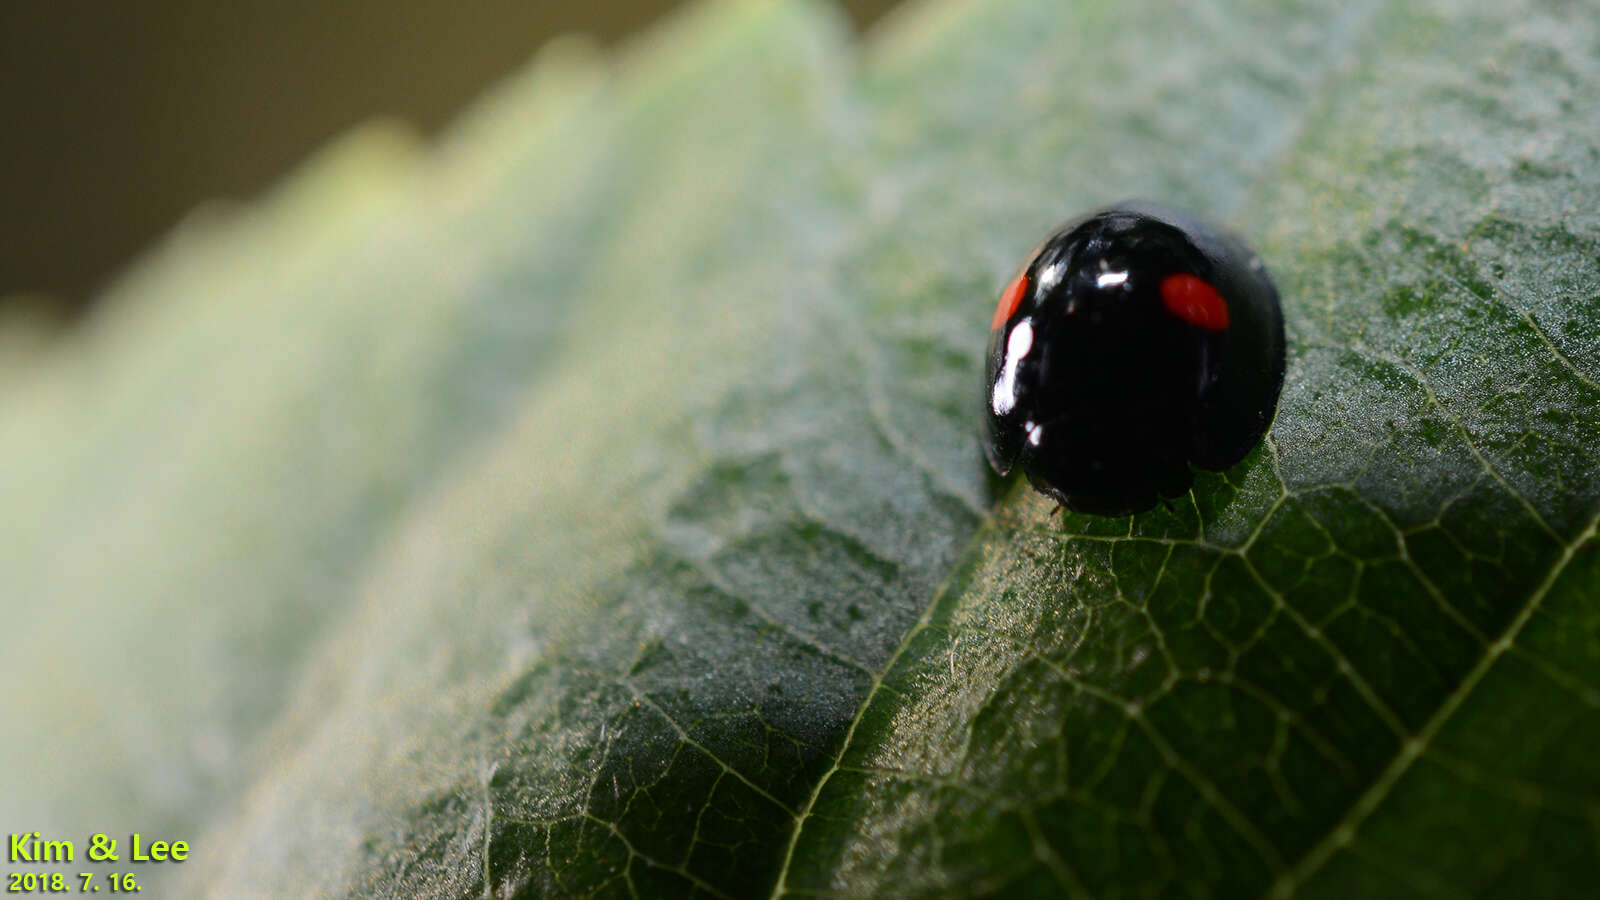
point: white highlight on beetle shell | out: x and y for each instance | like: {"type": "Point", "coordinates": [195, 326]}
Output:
{"type": "Point", "coordinates": [1035, 432]}
{"type": "Point", "coordinates": [1004, 398]}
{"type": "Point", "coordinates": [1050, 276]}
{"type": "Point", "coordinates": [1110, 279]}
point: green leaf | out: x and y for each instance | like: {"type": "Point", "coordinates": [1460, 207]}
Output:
{"type": "Point", "coordinates": [593, 503]}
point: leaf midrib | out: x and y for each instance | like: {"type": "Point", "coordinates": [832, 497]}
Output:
{"type": "Point", "coordinates": [780, 887]}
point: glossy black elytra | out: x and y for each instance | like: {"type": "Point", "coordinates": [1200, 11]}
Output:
{"type": "Point", "coordinates": [1133, 342]}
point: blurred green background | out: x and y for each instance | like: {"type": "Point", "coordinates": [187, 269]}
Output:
{"type": "Point", "coordinates": [120, 117]}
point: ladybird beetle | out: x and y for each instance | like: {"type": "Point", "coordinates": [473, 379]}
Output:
{"type": "Point", "coordinates": [1133, 343]}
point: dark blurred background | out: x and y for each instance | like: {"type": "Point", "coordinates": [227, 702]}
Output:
{"type": "Point", "coordinates": [116, 118]}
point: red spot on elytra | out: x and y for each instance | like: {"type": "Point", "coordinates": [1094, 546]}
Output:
{"type": "Point", "coordinates": [1010, 299]}
{"type": "Point", "coordinates": [1193, 299]}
